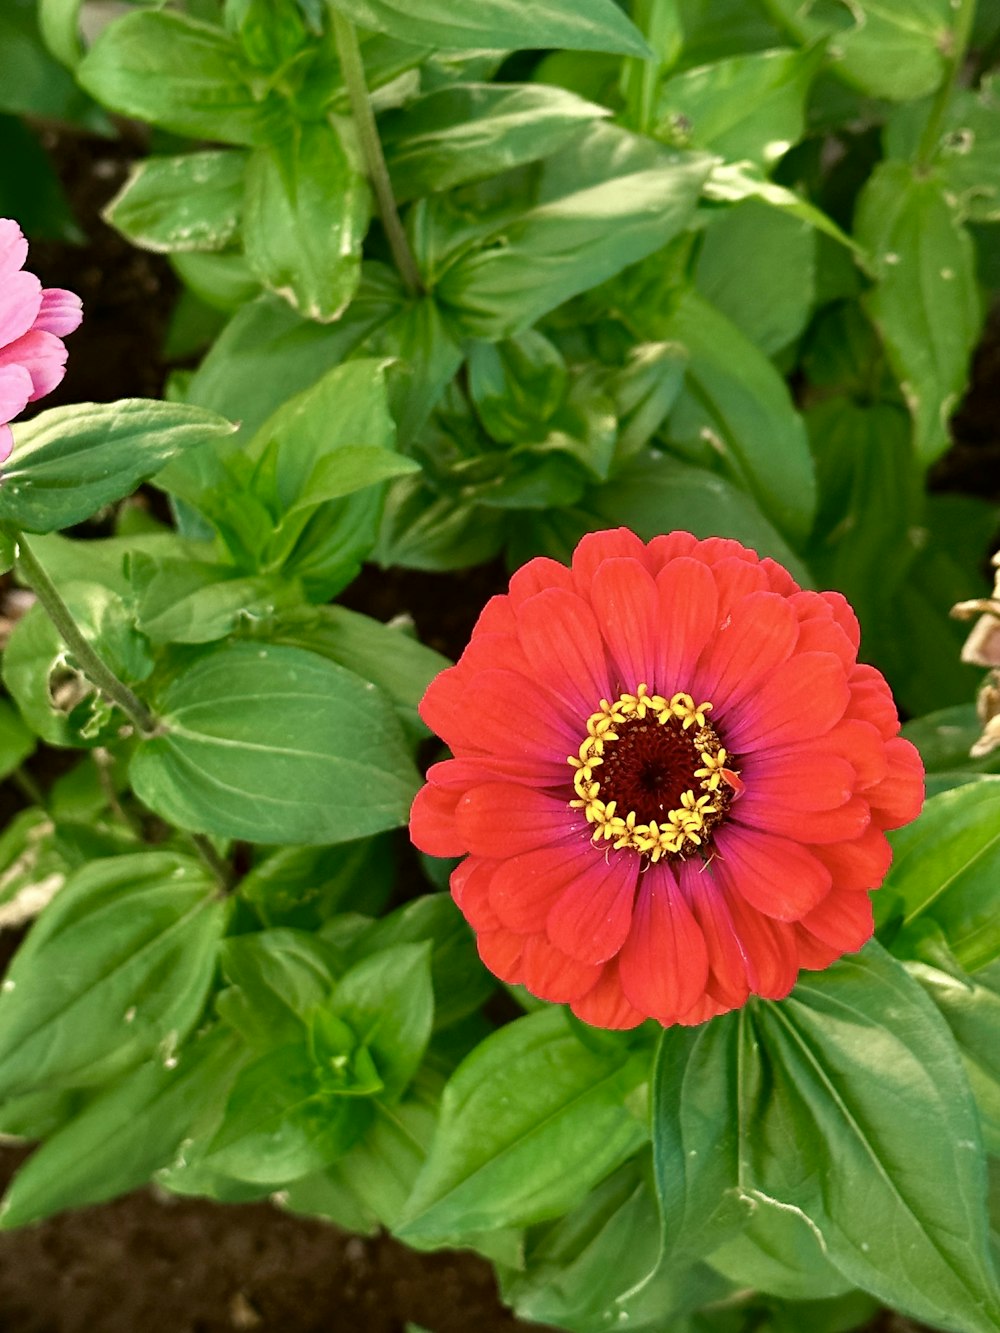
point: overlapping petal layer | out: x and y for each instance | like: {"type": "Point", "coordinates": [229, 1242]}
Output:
{"type": "Point", "coordinates": [33, 322]}
{"type": "Point", "coordinates": [776, 875]}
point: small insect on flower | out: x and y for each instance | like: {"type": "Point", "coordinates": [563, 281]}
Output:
{"type": "Point", "coordinates": [671, 779]}
{"type": "Point", "coordinates": [33, 322]}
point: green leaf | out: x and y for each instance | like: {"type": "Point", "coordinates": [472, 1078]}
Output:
{"type": "Point", "coordinates": [748, 108]}
{"type": "Point", "coordinates": [398, 663]}
{"type": "Point", "coordinates": [305, 216]}
{"type": "Point", "coordinates": [275, 745]}
{"type": "Point", "coordinates": [779, 1252]}
{"type": "Point", "coordinates": [529, 1122]}
{"type": "Point", "coordinates": [946, 870]}
{"type": "Point", "coordinates": [16, 740]}
{"type": "Point", "coordinates": [770, 301]}
{"type": "Point", "coordinates": [925, 302]}
{"type": "Point", "coordinates": [640, 197]}
{"type": "Point", "coordinates": [188, 601]}
{"type": "Point", "coordinates": [887, 48]}
{"type": "Point", "coordinates": [181, 74]}
{"type": "Point", "coordinates": [517, 385]}
{"type": "Point", "coordinates": [59, 24]}
{"type": "Point", "coordinates": [304, 886]}
{"type": "Point", "coordinates": [387, 1001]}
{"type": "Point", "coordinates": [424, 530]}
{"type": "Point", "coordinates": [865, 1083]}
{"type": "Point", "coordinates": [474, 130]}
{"type": "Point", "coordinates": [191, 202]}
{"type": "Point", "coordinates": [280, 1125]}
{"type": "Point", "coordinates": [972, 1012]}
{"type": "Point", "coordinates": [733, 182]}
{"type": "Point", "coordinates": [944, 739]}
{"type": "Point", "coordinates": [125, 1133]}
{"type": "Point", "coordinates": [749, 417]}
{"type": "Point", "coordinates": [278, 977]}
{"type": "Point", "coordinates": [68, 462]}
{"type": "Point", "coordinates": [580, 25]}
{"type": "Point", "coordinates": [116, 966]}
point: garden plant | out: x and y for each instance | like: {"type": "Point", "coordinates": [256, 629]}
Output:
{"type": "Point", "coordinates": [567, 953]}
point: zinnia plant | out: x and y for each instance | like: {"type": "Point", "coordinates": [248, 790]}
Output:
{"type": "Point", "coordinates": [720, 816]}
{"type": "Point", "coordinates": [33, 322]}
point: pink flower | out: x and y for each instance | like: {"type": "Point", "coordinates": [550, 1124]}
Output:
{"type": "Point", "coordinates": [33, 322]}
{"type": "Point", "coordinates": [671, 778]}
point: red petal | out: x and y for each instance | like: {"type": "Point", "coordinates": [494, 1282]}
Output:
{"type": "Point", "coordinates": [688, 615]}
{"type": "Point", "coordinates": [664, 962]}
{"type": "Point", "coordinates": [751, 642]}
{"type": "Point", "coordinates": [525, 887]}
{"type": "Point", "coordinates": [470, 887]}
{"type": "Point", "coordinates": [535, 577]}
{"type": "Point", "coordinates": [862, 746]}
{"type": "Point", "coordinates": [818, 631]}
{"type": "Point", "coordinates": [843, 920]}
{"type": "Point", "coordinates": [778, 578]}
{"type": "Point", "coordinates": [501, 951]}
{"type": "Point", "coordinates": [625, 601]}
{"type": "Point", "coordinates": [562, 641]}
{"type": "Point", "coordinates": [605, 1005]}
{"type": "Point", "coordinates": [668, 547]}
{"type": "Point", "coordinates": [503, 819]}
{"type": "Point", "coordinates": [728, 974]}
{"type": "Point", "coordinates": [778, 877]}
{"type": "Point", "coordinates": [769, 949]}
{"type": "Point", "coordinates": [861, 864]}
{"type": "Point", "coordinates": [871, 700]}
{"type": "Point", "coordinates": [596, 547]}
{"type": "Point", "coordinates": [844, 616]}
{"type": "Point", "coordinates": [735, 579]}
{"type": "Point", "coordinates": [552, 975]}
{"type": "Point", "coordinates": [432, 821]}
{"type": "Point", "coordinates": [591, 917]}
{"type": "Point", "coordinates": [844, 824]}
{"type": "Point", "coordinates": [800, 778]}
{"type": "Point", "coordinates": [899, 797]}
{"type": "Point", "coordinates": [496, 617]}
{"type": "Point", "coordinates": [799, 700]}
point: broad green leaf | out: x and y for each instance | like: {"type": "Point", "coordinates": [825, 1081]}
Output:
{"type": "Point", "coordinates": [274, 744]}
{"type": "Point", "coordinates": [16, 740]}
{"type": "Point", "coordinates": [191, 202]}
{"type": "Point", "coordinates": [644, 391]}
{"type": "Point", "coordinates": [705, 1084]}
{"type": "Point", "coordinates": [473, 130]}
{"type": "Point", "coordinates": [181, 74]}
{"type": "Point", "coordinates": [398, 663]}
{"type": "Point", "coordinates": [351, 469]}
{"type": "Point", "coordinates": [748, 417]}
{"type": "Point", "coordinates": [422, 529]}
{"type": "Point", "coordinates": [278, 977]}
{"type": "Point", "coordinates": [770, 300]}
{"type": "Point", "coordinates": [748, 108]}
{"type": "Point", "coordinates": [972, 1012]}
{"type": "Point", "coordinates": [305, 215]}
{"type": "Point", "coordinates": [925, 301]}
{"type": "Point", "coordinates": [59, 24]}
{"type": "Point", "coordinates": [68, 462]}
{"type": "Point", "coordinates": [887, 48]}
{"type": "Point", "coordinates": [220, 280]}
{"type": "Point", "coordinates": [304, 887]}
{"type": "Point", "coordinates": [117, 966]}
{"type": "Point", "coordinates": [865, 1084]}
{"type": "Point", "coordinates": [529, 1121]}
{"type": "Point", "coordinates": [187, 601]}
{"type": "Point", "coordinates": [32, 82]}
{"type": "Point", "coordinates": [517, 385]}
{"type": "Point", "coordinates": [125, 1133]}
{"type": "Point", "coordinates": [579, 25]}
{"type": "Point", "coordinates": [280, 1125]}
{"type": "Point", "coordinates": [779, 1252]}
{"type": "Point", "coordinates": [387, 1001]}
{"type": "Point", "coordinates": [946, 869]}
{"type": "Point", "coordinates": [637, 198]}
{"type": "Point", "coordinates": [733, 182]}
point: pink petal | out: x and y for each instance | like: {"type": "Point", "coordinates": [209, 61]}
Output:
{"type": "Point", "coordinates": [20, 301]}
{"type": "Point", "coordinates": [591, 917]}
{"type": "Point", "coordinates": [552, 975]}
{"type": "Point", "coordinates": [15, 391]}
{"type": "Point", "coordinates": [562, 642]}
{"type": "Point", "coordinates": [605, 1005]}
{"type": "Point", "coordinates": [60, 313]}
{"type": "Point", "coordinates": [525, 886]}
{"type": "Point", "coordinates": [664, 962]}
{"type": "Point", "coordinates": [43, 357]}
{"type": "Point", "coordinates": [13, 248]}
{"type": "Point", "coordinates": [777, 876]}
{"type": "Point", "coordinates": [6, 443]}
{"type": "Point", "coordinates": [688, 611]}
{"type": "Point", "coordinates": [502, 819]}
{"type": "Point", "coordinates": [625, 601]}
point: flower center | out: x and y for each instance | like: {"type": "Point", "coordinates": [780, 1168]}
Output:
{"type": "Point", "coordinates": [652, 774]}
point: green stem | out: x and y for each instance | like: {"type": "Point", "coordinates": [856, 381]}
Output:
{"type": "Point", "coordinates": [219, 867]}
{"type": "Point", "coordinates": [353, 69]}
{"type": "Point", "coordinates": [961, 32]}
{"type": "Point", "coordinates": [89, 662]}
{"type": "Point", "coordinates": [23, 780]}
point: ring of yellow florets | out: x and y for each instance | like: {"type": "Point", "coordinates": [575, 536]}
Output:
{"type": "Point", "coordinates": [682, 829]}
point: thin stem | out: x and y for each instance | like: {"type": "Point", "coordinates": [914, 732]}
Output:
{"type": "Point", "coordinates": [966, 11]}
{"type": "Point", "coordinates": [217, 864]}
{"type": "Point", "coordinates": [104, 762]}
{"type": "Point", "coordinates": [353, 69]}
{"type": "Point", "coordinates": [90, 663]}
{"type": "Point", "coordinates": [23, 780]}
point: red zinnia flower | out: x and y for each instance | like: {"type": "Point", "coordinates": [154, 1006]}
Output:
{"type": "Point", "coordinates": [672, 778]}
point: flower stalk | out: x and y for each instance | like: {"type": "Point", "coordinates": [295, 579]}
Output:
{"type": "Point", "coordinates": [353, 69]}
{"type": "Point", "coordinates": [85, 656]}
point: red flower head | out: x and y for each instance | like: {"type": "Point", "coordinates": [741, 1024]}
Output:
{"type": "Point", "coordinates": [33, 322]}
{"type": "Point", "coordinates": [671, 777]}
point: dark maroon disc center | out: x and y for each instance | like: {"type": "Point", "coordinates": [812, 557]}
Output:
{"type": "Point", "coordinates": [649, 768]}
